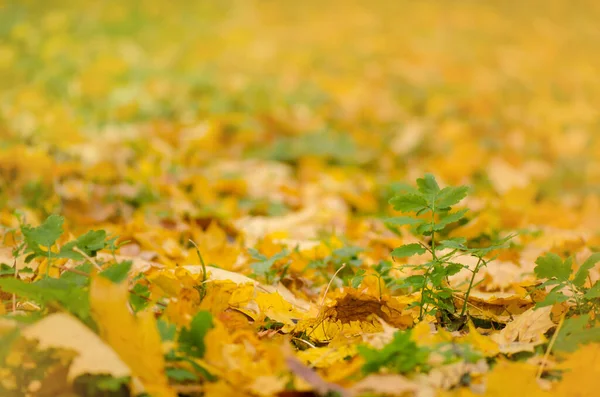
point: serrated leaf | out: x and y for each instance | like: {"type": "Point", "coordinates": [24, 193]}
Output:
{"type": "Point", "coordinates": [453, 243]}
{"type": "Point", "coordinates": [554, 296]}
{"type": "Point", "coordinates": [449, 218]}
{"type": "Point", "coordinates": [69, 295]}
{"type": "Point", "coordinates": [47, 233]}
{"type": "Point", "coordinates": [550, 265]}
{"type": "Point", "coordinates": [408, 250]}
{"type": "Point", "coordinates": [191, 340]}
{"type": "Point", "coordinates": [593, 292]}
{"type": "Point", "coordinates": [453, 268]}
{"type": "Point", "coordinates": [400, 355]}
{"type": "Point", "coordinates": [90, 243]}
{"type": "Point", "coordinates": [403, 220]}
{"type": "Point", "coordinates": [450, 196]}
{"type": "Point", "coordinates": [428, 186]}
{"type": "Point", "coordinates": [117, 272]}
{"type": "Point", "coordinates": [584, 269]}
{"type": "Point", "coordinates": [409, 202]}
{"type": "Point", "coordinates": [358, 278]}
{"type": "Point", "coordinates": [44, 235]}
{"type": "Point", "coordinates": [576, 331]}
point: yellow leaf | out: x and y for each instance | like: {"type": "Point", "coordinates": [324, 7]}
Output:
{"type": "Point", "coordinates": [389, 385]}
{"type": "Point", "coordinates": [525, 332]}
{"type": "Point", "coordinates": [130, 335]}
{"type": "Point", "coordinates": [480, 342]}
{"type": "Point", "coordinates": [61, 330]}
{"type": "Point", "coordinates": [513, 379]}
{"type": "Point", "coordinates": [582, 371]}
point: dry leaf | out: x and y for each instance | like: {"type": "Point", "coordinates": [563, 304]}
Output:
{"type": "Point", "coordinates": [130, 334]}
{"type": "Point", "coordinates": [61, 330]}
{"type": "Point", "coordinates": [525, 332]}
{"type": "Point", "coordinates": [390, 385]}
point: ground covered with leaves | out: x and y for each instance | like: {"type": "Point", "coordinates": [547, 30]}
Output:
{"type": "Point", "coordinates": [267, 198]}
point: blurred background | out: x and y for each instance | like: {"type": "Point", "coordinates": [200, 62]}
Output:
{"type": "Point", "coordinates": [235, 109]}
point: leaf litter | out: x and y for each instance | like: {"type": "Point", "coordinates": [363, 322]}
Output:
{"type": "Point", "coordinates": [273, 200]}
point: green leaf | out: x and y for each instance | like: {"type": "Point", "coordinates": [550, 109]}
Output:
{"type": "Point", "coordinates": [457, 243]}
{"type": "Point", "coordinates": [117, 272]}
{"type": "Point", "coordinates": [554, 296]}
{"type": "Point", "coordinates": [428, 186]}
{"type": "Point", "coordinates": [551, 266]}
{"type": "Point", "coordinates": [48, 290]}
{"type": "Point", "coordinates": [449, 196]}
{"type": "Point", "coordinates": [44, 235]}
{"type": "Point", "coordinates": [416, 281]}
{"type": "Point", "coordinates": [263, 267]}
{"type": "Point", "coordinates": [136, 298]}
{"type": "Point", "coordinates": [181, 375]}
{"type": "Point", "coordinates": [576, 331]}
{"type": "Point", "coordinates": [401, 355]}
{"type": "Point", "coordinates": [446, 219]}
{"type": "Point", "coordinates": [166, 330]}
{"type": "Point", "coordinates": [6, 270]}
{"type": "Point", "coordinates": [358, 278]}
{"type": "Point", "coordinates": [453, 268]}
{"type": "Point", "coordinates": [191, 340]}
{"type": "Point", "coordinates": [593, 292]}
{"type": "Point", "coordinates": [584, 269]}
{"type": "Point", "coordinates": [47, 233]}
{"type": "Point", "coordinates": [403, 220]}
{"type": "Point", "coordinates": [408, 250]}
{"type": "Point", "coordinates": [409, 202]}
{"type": "Point", "coordinates": [90, 243]}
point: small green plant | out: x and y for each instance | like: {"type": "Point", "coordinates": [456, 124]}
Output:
{"type": "Point", "coordinates": [568, 286]}
{"type": "Point", "coordinates": [431, 213]}
{"type": "Point", "coordinates": [382, 273]}
{"type": "Point", "coordinates": [263, 266]}
{"type": "Point", "coordinates": [346, 257]}
{"type": "Point", "coordinates": [400, 355]}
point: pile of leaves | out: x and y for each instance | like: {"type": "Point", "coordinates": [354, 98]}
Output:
{"type": "Point", "coordinates": [278, 199]}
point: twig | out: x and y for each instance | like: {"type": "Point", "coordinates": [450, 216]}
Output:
{"type": "Point", "coordinates": [304, 341]}
{"type": "Point", "coordinates": [550, 345]}
{"type": "Point", "coordinates": [86, 256]}
{"type": "Point", "coordinates": [79, 272]}
{"type": "Point", "coordinates": [327, 289]}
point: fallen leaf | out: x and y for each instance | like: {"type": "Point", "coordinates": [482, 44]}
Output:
{"type": "Point", "coordinates": [130, 334]}
{"type": "Point", "coordinates": [581, 373]}
{"type": "Point", "coordinates": [389, 385]}
{"type": "Point", "coordinates": [94, 356]}
{"type": "Point", "coordinates": [526, 331]}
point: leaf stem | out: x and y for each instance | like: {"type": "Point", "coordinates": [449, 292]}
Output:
{"type": "Point", "coordinates": [550, 345]}
{"type": "Point", "coordinates": [464, 308]}
{"type": "Point", "coordinates": [203, 289]}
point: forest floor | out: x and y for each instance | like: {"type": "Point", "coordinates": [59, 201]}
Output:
{"type": "Point", "coordinates": [267, 198]}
